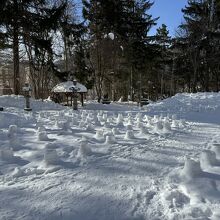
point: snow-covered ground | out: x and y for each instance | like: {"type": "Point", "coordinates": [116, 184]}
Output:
{"type": "Point", "coordinates": [111, 162]}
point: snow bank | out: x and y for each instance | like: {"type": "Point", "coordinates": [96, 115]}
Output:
{"type": "Point", "coordinates": [192, 106]}
{"type": "Point", "coordinates": [19, 102]}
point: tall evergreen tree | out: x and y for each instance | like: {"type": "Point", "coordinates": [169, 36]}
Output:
{"type": "Point", "coordinates": [126, 23]}
{"type": "Point", "coordinates": [164, 60]}
{"type": "Point", "coordinates": [26, 19]}
{"type": "Point", "coordinates": [201, 38]}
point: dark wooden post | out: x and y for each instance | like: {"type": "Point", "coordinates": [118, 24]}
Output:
{"type": "Point", "coordinates": [67, 99]}
{"type": "Point", "coordinates": [82, 100]}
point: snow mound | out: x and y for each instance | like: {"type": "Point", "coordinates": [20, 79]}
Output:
{"type": "Point", "coordinates": [208, 159]}
{"type": "Point", "coordinates": [166, 127]}
{"type": "Point", "coordinates": [129, 127]}
{"type": "Point", "coordinates": [6, 154]}
{"type": "Point", "coordinates": [18, 172]}
{"type": "Point", "coordinates": [143, 131]}
{"type": "Point", "coordinates": [119, 119]}
{"type": "Point", "coordinates": [50, 156]}
{"type": "Point", "coordinates": [42, 136]}
{"type": "Point", "coordinates": [129, 135]}
{"type": "Point", "coordinates": [115, 131]}
{"type": "Point", "coordinates": [99, 134]}
{"type": "Point", "coordinates": [84, 151]}
{"type": "Point", "coordinates": [216, 148]}
{"type": "Point", "coordinates": [41, 129]}
{"type": "Point", "coordinates": [12, 131]}
{"type": "Point", "coordinates": [110, 139]}
{"type": "Point", "coordinates": [175, 124]}
{"type": "Point", "coordinates": [89, 127]}
{"type": "Point", "coordinates": [191, 169]}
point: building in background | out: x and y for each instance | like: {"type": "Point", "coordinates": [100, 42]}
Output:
{"type": "Point", "coordinates": [6, 77]}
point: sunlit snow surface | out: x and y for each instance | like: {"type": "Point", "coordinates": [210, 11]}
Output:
{"type": "Point", "coordinates": [111, 162]}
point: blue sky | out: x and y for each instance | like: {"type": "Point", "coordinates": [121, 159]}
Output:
{"type": "Point", "coordinates": [169, 12]}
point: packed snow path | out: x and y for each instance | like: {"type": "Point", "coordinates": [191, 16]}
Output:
{"type": "Point", "coordinates": [121, 163]}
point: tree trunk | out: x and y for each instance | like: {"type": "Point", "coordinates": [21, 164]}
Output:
{"type": "Point", "coordinates": [131, 84]}
{"type": "Point", "coordinates": [194, 84]}
{"type": "Point", "coordinates": [16, 56]}
{"type": "Point", "coordinates": [66, 54]}
{"type": "Point", "coordinates": [207, 79]}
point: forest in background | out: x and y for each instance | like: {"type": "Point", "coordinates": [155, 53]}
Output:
{"type": "Point", "coordinates": [109, 48]}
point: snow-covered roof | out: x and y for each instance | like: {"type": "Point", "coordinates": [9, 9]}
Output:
{"type": "Point", "coordinates": [66, 87]}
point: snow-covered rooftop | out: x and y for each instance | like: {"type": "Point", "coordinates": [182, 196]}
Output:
{"type": "Point", "coordinates": [66, 87]}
